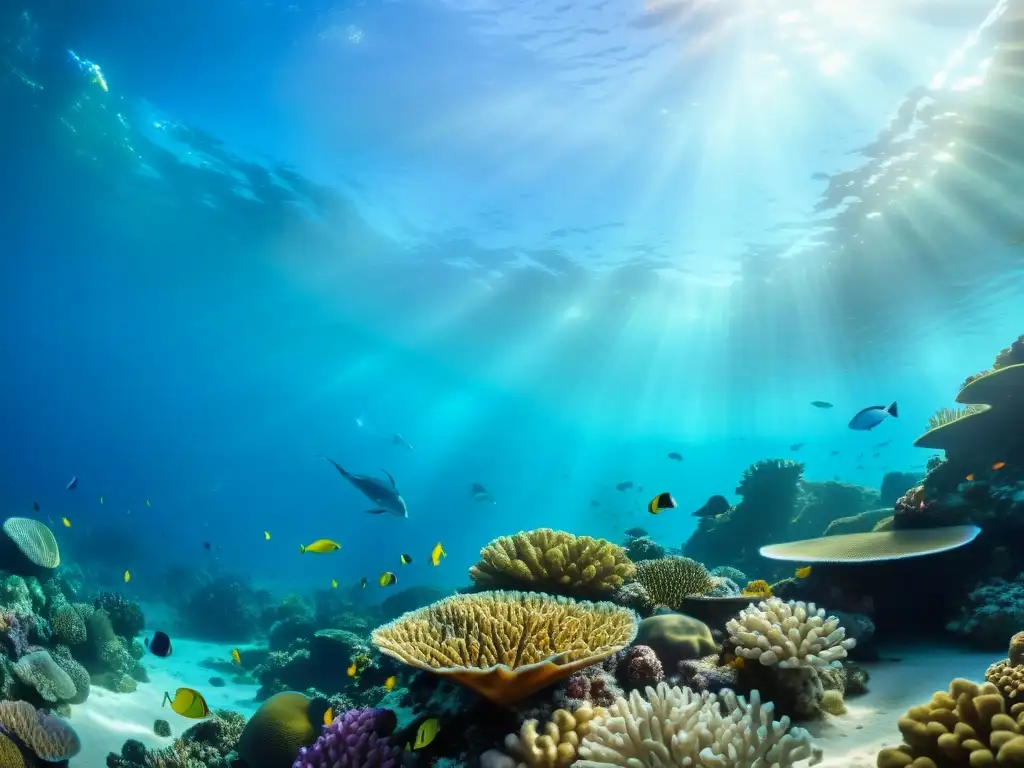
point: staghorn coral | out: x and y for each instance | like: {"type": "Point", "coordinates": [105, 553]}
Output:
{"type": "Point", "coordinates": [40, 671]}
{"type": "Point", "coordinates": [553, 747]}
{"type": "Point", "coordinates": [553, 561]}
{"type": "Point", "coordinates": [967, 726]}
{"type": "Point", "coordinates": [790, 634]}
{"type": "Point", "coordinates": [49, 737]}
{"type": "Point", "coordinates": [507, 645]}
{"type": "Point", "coordinates": [679, 727]}
{"type": "Point", "coordinates": [668, 580]}
{"type": "Point", "coordinates": [68, 625]}
{"type": "Point", "coordinates": [359, 738]}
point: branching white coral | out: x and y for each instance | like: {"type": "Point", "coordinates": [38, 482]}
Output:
{"type": "Point", "coordinates": [678, 727]}
{"type": "Point", "coordinates": [793, 634]}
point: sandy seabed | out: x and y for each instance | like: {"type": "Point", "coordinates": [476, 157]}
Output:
{"type": "Point", "coordinates": [852, 740]}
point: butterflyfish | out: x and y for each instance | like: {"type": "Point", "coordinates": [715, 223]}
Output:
{"type": "Point", "coordinates": [425, 734]}
{"type": "Point", "coordinates": [266, 535]}
{"type": "Point", "coordinates": [160, 645]}
{"type": "Point", "coordinates": [437, 553]}
{"type": "Point", "coordinates": [389, 684]}
{"type": "Point", "coordinates": [405, 559]}
{"type": "Point", "coordinates": [320, 547]}
{"type": "Point", "coordinates": [802, 573]}
{"type": "Point", "coordinates": [660, 503]}
{"type": "Point", "coordinates": [236, 656]}
{"type": "Point", "coordinates": [387, 579]}
{"type": "Point", "coordinates": [334, 583]}
{"type": "Point", "coordinates": [187, 702]}
{"type": "Point", "coordinates": [127, 576]}
{"type": "Point", "coordinates": [67, 523]}
{"type": "Point", "coordinates": [363, 582]}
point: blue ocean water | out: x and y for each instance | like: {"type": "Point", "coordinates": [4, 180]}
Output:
{"type": "Point", "coordinates": [547, 244]}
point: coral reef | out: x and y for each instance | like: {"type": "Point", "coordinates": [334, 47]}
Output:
{"type": "Point", "coordinates": [357, 738]}
{"type": "Point", "coordinates": [676, 726]}
{"type": "Point", "coordinates": [790, 634]}
{"type": "Point", "coordinates": [125, 615]}
{"type": "Point", "coordinates": [29, 546]}
{"type": "Point", "coordinates": [640, 548]}
{"type": "Point", "coordinates": [40, 671]}
{"type": "Point", "coordinates": [668, 580]}
{"type": "Point", "coordinates": [818, 504]}
{"type": "Point", "coordinates": [990, 613]}
{"type": "Point", "coordinates": [553, 561]}
{"type": "Point", "coordinates": [507, 645]}
{"type": "Point", "coordinates": [48, 737]}
{"type": "Point", "coordinates": [227, 609]}
{"type": "Point", "coordinates": [207, 744]}
{"type": "Point", "coordinates": [894, 485]}
{"type": "Point", "coordinates": [553, 747]}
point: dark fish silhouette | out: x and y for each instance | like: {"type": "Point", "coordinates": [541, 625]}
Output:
{"type": "Point", "coordinates": [481, 494]}
{"type": "Point", "coordinates": [217, 682]}
{"type": "Point", "coordinates": [882, 444]}
{"type": "Point", "coordinates": [206, 546]}
{"type": "Point", "coordinates": [595, 503]}
{"type": "Point", "coordinates": [871, 417]}
{"type": "Point", "coordinates": [675, 456]}
{"type": "Point", "coordinates": [624, 486]}
{"type": "Point", "coordinates": [796, 446]}
{"type": "Point", "coordinates": [160, 645]}
{"type": "Point", "coordinates": [73, 483]}
{"type": "Point", "coordinates": [35, 506]}
{"type": "Point", "coordinates": [833, 453]}
{"type": "Point", "coordinates": [397, 439]}
{"type": "Point", "coordinates": [384, 495]}
{"type": "Point", "coordinates": [716, 505]}
{"type": "Point", "coordinates": [821, 404]}
{"type": "Point", "coordinates": [636, 533]}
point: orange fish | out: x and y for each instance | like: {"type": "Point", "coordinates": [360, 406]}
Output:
{"type": "Point", "coordinates": [999, 465]}
{"type": "Point", "coordinates": [970, 478]}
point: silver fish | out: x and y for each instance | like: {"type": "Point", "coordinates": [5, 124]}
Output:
{"type": "Point", "coordinates": [384, 495]}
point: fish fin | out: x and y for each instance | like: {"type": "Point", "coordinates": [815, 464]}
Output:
{"type": "Point", "coordinates": [337, 466]}
{"type": "Point", "coordinates": [376, 511]}
{"type": "Point", "coordinates": [393, 483]}
{"type": "Point", "coordinates": [302, 549]}
{"type": "Point", "coordinates": [893, 411]}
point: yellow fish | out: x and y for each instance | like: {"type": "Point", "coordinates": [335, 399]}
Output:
{"type": "Point", "coordinates": [236, 656]}
{"type": "Point", "coordinates": [187, 702]}
{"type": "Point", "coordinates": [390, 683]}
{"type": "Point", "coordinates": [328, 715]}
{"type": "Point", "coordinates": [387, 579]}
{"type": "Point", "coordinates": [802, 573]}
{"type": "Point", "coordinates": [67, 523]}
{"type": "Point", "coordinates": [353, 670]}
{"type": "Point", "coordinates": [405, 559]}
{"type": "Point", "coordinates": [425, 734]}
{"type": "Point", "coordinates": [437, 553]}
{"type": "Point", "coordinates": [266, 535]}
{"type": "Point", "coordinates": [127, 576]}
{"type": "Point", "coordinates": [334, 583]}
{"type": "Point", "coordinates": [320, 547]}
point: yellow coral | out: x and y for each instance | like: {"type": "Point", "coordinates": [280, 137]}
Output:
{"type": "Point", "coordinates": [555, 747]}
{"type": "Point", "coordinates": [282, 725]}
{"type": "Point", "coordinates": [969, 726]}
{"type": "Point", "coordinates": [758, 588]}
{"type": "Point", "coordinates": [10, 755]}
{"type": "Point", "coordinates": [1008, 678]}
{"type": "Point", "coordinates": [553, 561]}
{"type": "Point", "coordinates": [507, 645]}
{"type": "Point", "coordinates": [668, 580]}
{"type": "Point", "coordinates": [832, 702]}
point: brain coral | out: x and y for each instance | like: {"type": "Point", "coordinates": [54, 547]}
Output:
{"type": "Point", "coordinates": [553, 561]}
{"type": "Point", "coordinates": [670, 579]}
{"type": "Point", "coordinates": [39, 670]}
{"type": "Point", "coordinates": [507, 645]}
{"type": "Point", "coordinates": [68, 625]}
{"type": "Point", "coordinates": [554, 747]}
{"type": "Point", "coordinates": [278, 730]}
{"type": "Point", "coordinates": [793, 634]}
{"type": "Point", "coordinates": [678, 727]}
{"type": "Point", "coordinates": [968, 726]}
{"type": "Point", "coordinates": [34, 540]}
{"type": "Point", "coordinates": [49, 737]}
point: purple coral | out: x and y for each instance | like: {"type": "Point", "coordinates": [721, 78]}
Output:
{"type": "Point", "coordinates": [594, 686]}
{"type": "Point", "coordinates": [15, 628]}
{"type": "Point", "coordinates": [640, 667]}
{"type": "Point", "coordinates": [356, 739]}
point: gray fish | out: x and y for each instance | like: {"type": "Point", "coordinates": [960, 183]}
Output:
{"type": "Point", "coordinates": [479, 493]}
{"type": "Point", "coordinates": [384, 495]}
{"type": "Point", "coordinates": [397, 439]}
{"type": "Point", "coordinates": [871, 417]}
{"type": "Point", "coordinates": [821, 404]}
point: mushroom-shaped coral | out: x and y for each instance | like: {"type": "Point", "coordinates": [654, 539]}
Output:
{"type": "Point", "coordinates": [507, 645]}
{"type": "Point", "coordinates": [50, 738]}
{"type": "Point", "coordinates": [677, 727]}
{"type": "Point", "coordinates": [358, 738]}
{"type": "Point", "coordinates": [790, 634]}
{"type": "Point", "coordinates": [553, 561]}
{"type": "Point", "coordinates": [34, 541]}
{"type": "Point", "coordinates": [874, 547]}
{"type": "Point", "coordinates": [554, 747]}
{"type": "Point", "coordinates": [668, 580]}
{"type": "Point", "coordinates": [968, 726]}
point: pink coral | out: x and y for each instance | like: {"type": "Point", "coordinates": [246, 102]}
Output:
{"type": "Point", "coordinates": [594, 686]}
{"type": "Point", "coordinates": [640, 667]}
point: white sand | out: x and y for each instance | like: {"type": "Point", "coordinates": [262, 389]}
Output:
{"type": "Point", "coordinates": [853, 740]}
{"type": "Point", "coordinates": [106, 720]}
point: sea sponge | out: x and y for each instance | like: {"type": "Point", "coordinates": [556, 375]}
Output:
{"type": "Point", "coordinates": [758, 588]}
{"type": "Point", "coordinates": [39, 670]}
{"type": "Point", "coordinates": [34, 540]}
{"type": "Point", "coordinates": [677, 726]}
{"type": "Point", "coordinates": [10, 755]}
{"type": "Point", "coordinates": [359, 738]}
{"type": "Point", "coordinates": [553, 561]}
{"type": "Point", "coordinates": [554, 747]}
{"type": "Point", "coordinates": [676, 637]}
{"type": "Point", "coordinates": [874, 547]}
{"type": "Point", "coordinates": [832, 702]}
{"type": "Point", "coordinates": [790, 634]}
{"type": "Point", "coordinates": [68, 625]}
{"type": "Point", "coordinates": [670, 579]}
{"type": "Point", "coordinates": [48, 736]}
{"type": "Point", "coordinates": [968, 726]}
{"type": "Point", "coordinates": [507, 645]}
{"type": "Point", "coordinates": [278, 730]}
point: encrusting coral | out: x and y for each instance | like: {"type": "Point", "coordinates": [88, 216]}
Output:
{"type": "Point", "coordinates": [553, 747]}
{"type": "Point", "coordinates": [1008, 674]}
{"type": "Point", "coordinates": [677, 727]}
{"type": "Point", "coordinates": [507, 645]}
{"type": "Point", "coordinates": [967, 726]}
{"type": "Point", "coordinates": [668, 580]}
{"type": "Point", "coordinates": [790, 634]}
{"type": "Point", "coordinates": [553, 561]}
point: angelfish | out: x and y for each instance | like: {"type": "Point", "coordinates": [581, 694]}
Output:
{"type": "Point", "coordinates": [384, 495]}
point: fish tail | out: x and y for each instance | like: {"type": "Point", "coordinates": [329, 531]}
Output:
{"type": "Point", "coordinates": [302, 549]}
{"type": "Point", "coordinates": [893, 411]}
{"type": "Point", "coordinates": [166, 699]}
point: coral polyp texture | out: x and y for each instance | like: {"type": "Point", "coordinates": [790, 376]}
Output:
{"type": "Point", "coordinates": [507, 645]}
{"type": "Point", "coordinates": [47, 736]}
{"type": "Point", "coordinates": [679, 727]}
{"type": "Point", "coordinates": [967, 726]}
{"type": "Point", "coordinates": [359, 738]}
{"type": "Point", "coordinates": [553, 561]}
{"type": "Point", "coordinates": [789, 634]}
{"type": "Point", "coordinates": [668, 580]}
{"type": "Point", "coordinates": [554, 746]}
{"type": "Point", "coordinates": [34, 540]}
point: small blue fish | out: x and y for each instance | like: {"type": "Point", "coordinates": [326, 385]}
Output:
{"type": "Point", "coordinates": [871, 417]}
{"type": "Point", "coordinates": [821, 404]}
